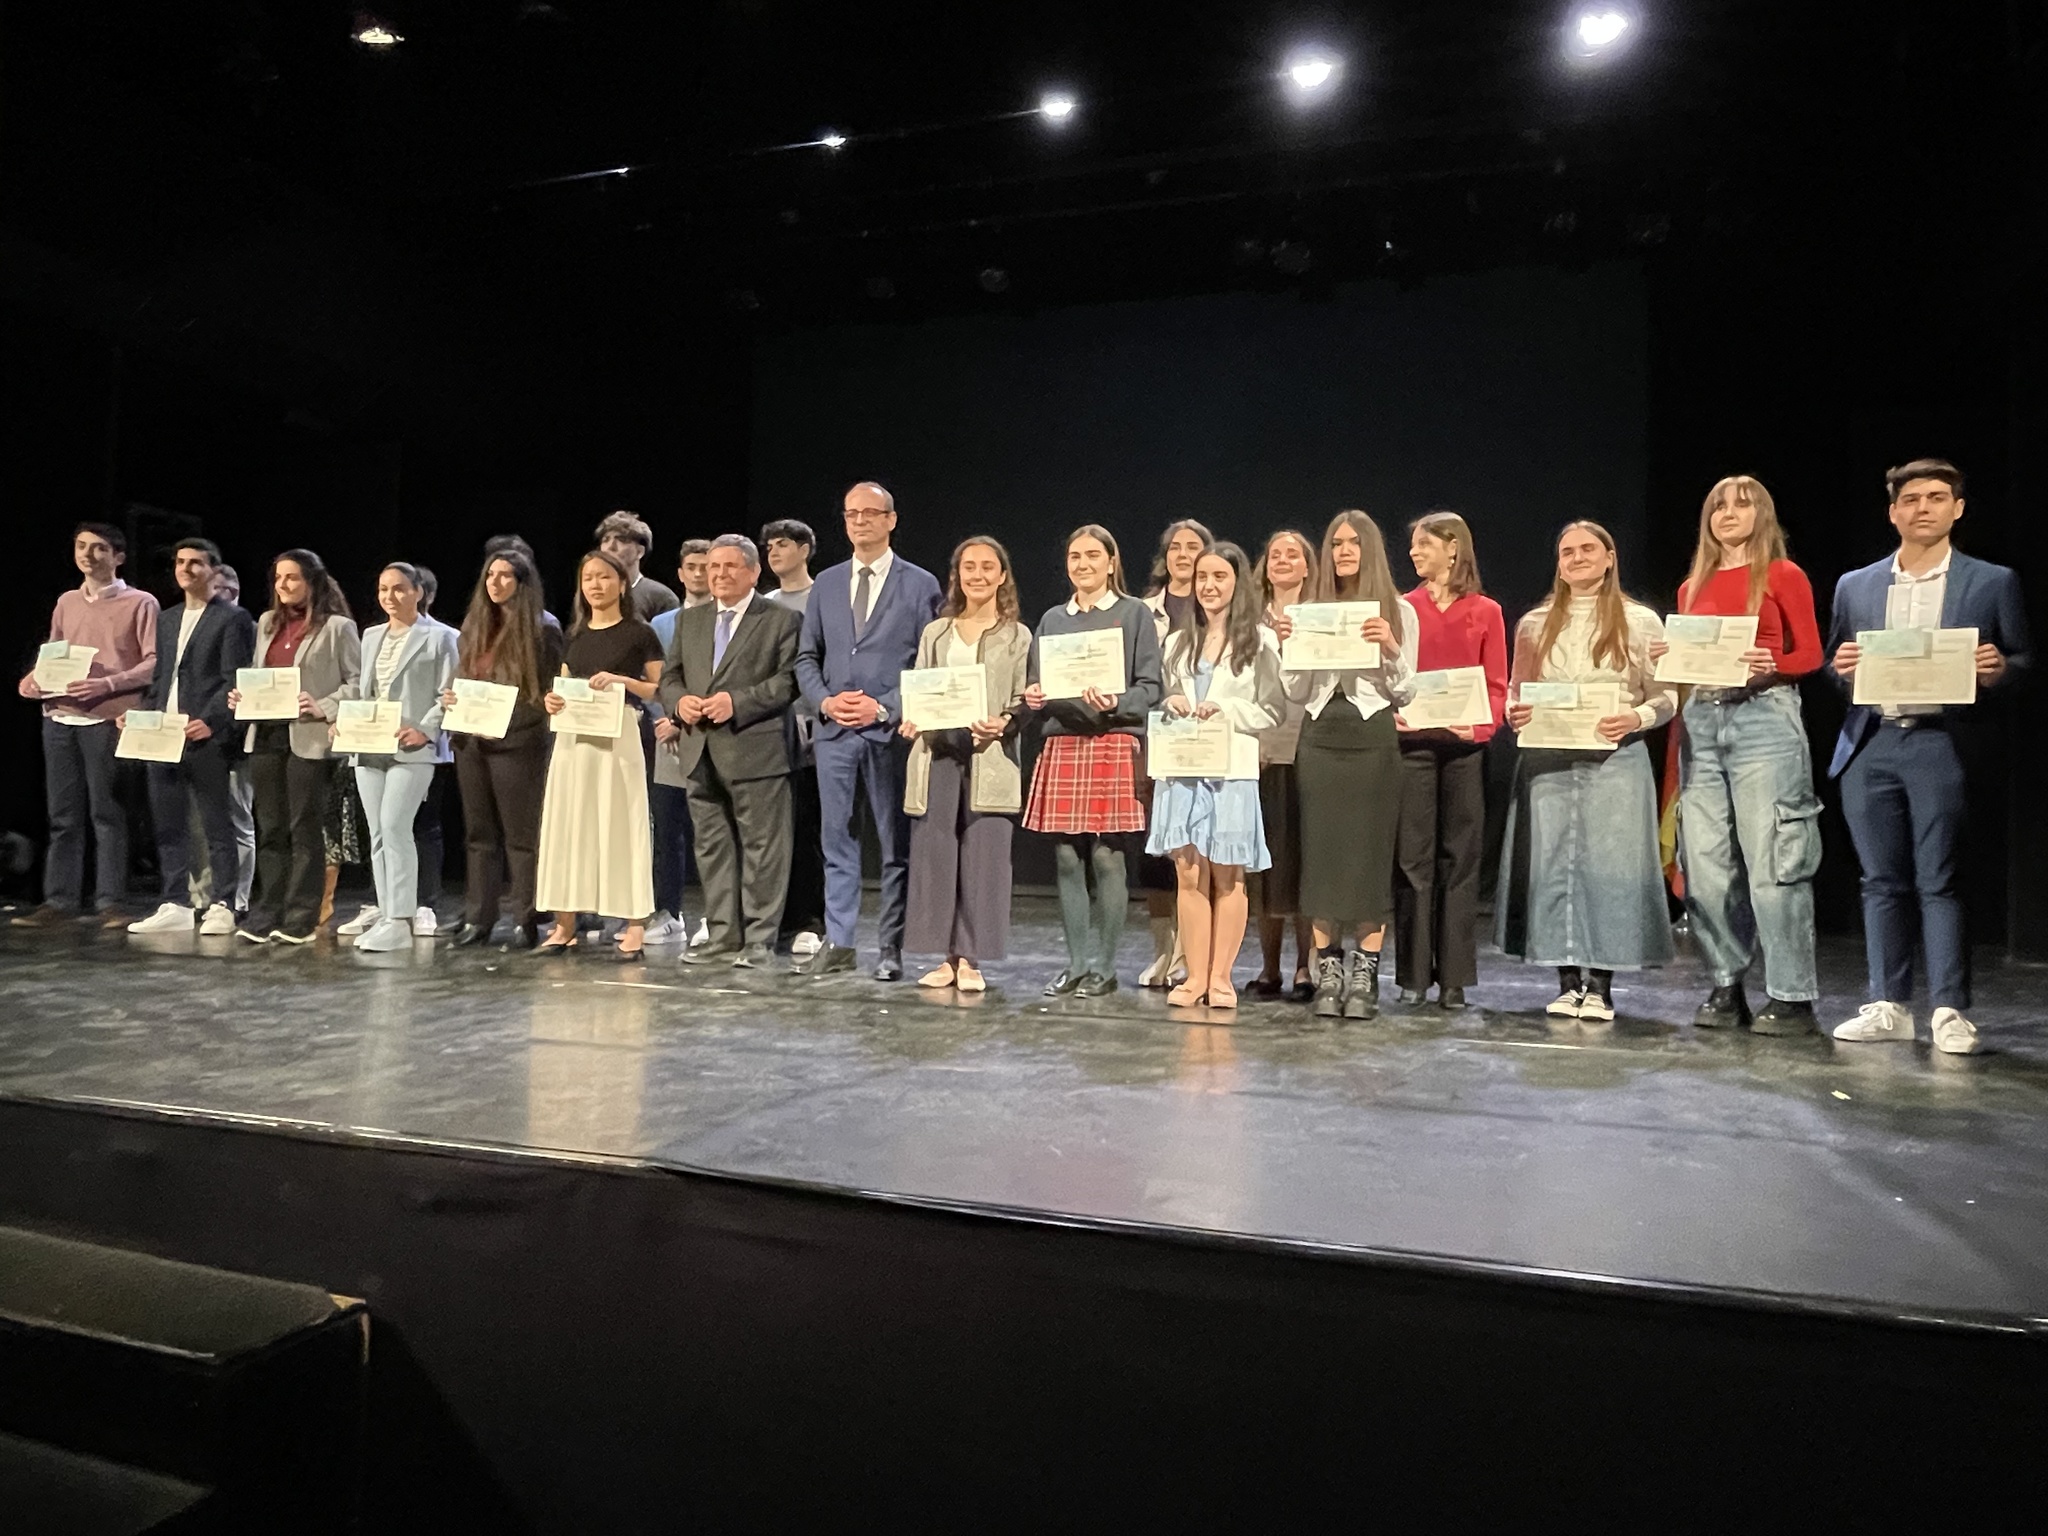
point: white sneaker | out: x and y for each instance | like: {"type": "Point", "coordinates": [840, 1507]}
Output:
{"type": "Point", "coordinates": [168, 918]}
{"type": "Point", "coordinates": [664, 928]}
{"type": "Point", "coordinates": [1595, 1009]}
{"type": "Point", "coordinates": [804, 945]}
{"type": "Point", "coordinates": [219, 921]}
{"type": "Point", "coordinates": [703, 933]}
{"type": "Point", "coordinates": [384, 937]}
{"type": "Point", "coordinates": [425, 923]}
{"type": "Point", "coordinates": [1566, 1005]}
{"type": "Point", "coordinates": [364, 920]}
{"type": "Point", "coordinates": [1954, 1033]}
{"type": "Point", "coordinates": [1879, 1021]}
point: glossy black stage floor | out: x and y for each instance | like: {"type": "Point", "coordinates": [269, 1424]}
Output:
{"type": "Point", "coordinates": [1638, 1165]}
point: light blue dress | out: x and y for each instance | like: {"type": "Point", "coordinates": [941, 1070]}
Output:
{"type": "Point", "coordinates": [1219, 818]}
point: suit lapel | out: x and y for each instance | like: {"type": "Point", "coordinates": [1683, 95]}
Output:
{"type": "Point", "coordinates": [1954, 596]}
{"type": "Point", "coordinates": [414, 639]}
{"type": "Point", "coordinates": [742, 634]}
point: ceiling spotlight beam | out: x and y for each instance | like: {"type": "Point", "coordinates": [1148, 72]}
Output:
{"type": "Point", "coordinates": [1597, 30]}
{"type": "Point", "coordinates": [1311, 74]}
{"type": "Point", "coordinates": [1056, 106]}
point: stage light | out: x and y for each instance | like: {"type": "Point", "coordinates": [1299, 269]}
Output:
{"type": "Point", "coordinates": [1311, 73]}
{"type": "Point", "coordinates": [1056, 106]}
{"type": "Point", "coordinates": [1600, 28]}
{"type": "Point", "coordinates": [833, 139]}
{"type": "Point", "coordinates": [372, 33]}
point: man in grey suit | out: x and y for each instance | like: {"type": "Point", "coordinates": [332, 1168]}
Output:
{"type": "Point", "coordinates": [729, 680]}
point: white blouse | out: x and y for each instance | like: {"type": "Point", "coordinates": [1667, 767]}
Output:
{"type": "Point", "coordinates": [1370, 689]}
{"type": "Point", "coordinates": [1571, 657]}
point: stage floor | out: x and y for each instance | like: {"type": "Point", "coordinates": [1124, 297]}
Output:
{"type": "Point", "coordinates": [1644, 1151]}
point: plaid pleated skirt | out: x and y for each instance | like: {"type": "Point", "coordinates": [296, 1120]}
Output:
{"type": "Point", "coordinates": [1086, 784]}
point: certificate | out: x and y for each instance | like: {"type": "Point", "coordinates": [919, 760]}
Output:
{"type": "Point", "coordinates": [1325, 637]}
{"type": "Point", "coordinates": [1569, 724]}
{"type": "Point", "coordinates": [1182, 747]}
{"type": "Point", "coordinates": [1069, 665]}
{"type": "Point", "coordinates": [268, 693]}
{"type": "Point", "coordinates": [1916, 666]}
{"type": "Point", "coordinates": [59, 664]}
{"type": "Point", "coordinates": [481, 709]}
{"type": "Point", "coordinates": [151, 736]}
{"type": "Point", "coordinates": [946, 698]}
{"type": "Point", "coordinates": [1455, 696]}
{"type": "Point", "coordinates": [366, 725]}
{"type": "Point", "coordinates": [1706, 649]}
{"type": "Point", "coordinates": [589, 711]}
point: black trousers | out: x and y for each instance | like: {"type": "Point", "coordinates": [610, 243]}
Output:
{"type": "Point", "coordinates": [199, 778]}
{"type": "Point", "coordinates": [291, 849]}
{"type": "Point", "coordinates": [1438, 848]}
{"type": "Point", "coordinates": [80, 775]}
{"type": "Point", "coordinates": [804, 908]}
{"type": "Point", "coordinates": [501, 786]}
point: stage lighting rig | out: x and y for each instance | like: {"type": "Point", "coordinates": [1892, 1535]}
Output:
{"type": "Point", "coordinates": [1056, 107]}
{"type": "Point", "coordinates": [374, 34]}
{"type": "Point", "coordinates": [832, 139]}
{"type": "Point", "coordinates": [1311, 74]}
{"type": "Point", "coordinates": [1597, 30]}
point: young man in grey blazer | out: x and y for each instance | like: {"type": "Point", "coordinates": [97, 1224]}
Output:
{"type": "Point", "coordinates": [1903, 768]}
{"type": "Point", "coordinates": [728, 682]}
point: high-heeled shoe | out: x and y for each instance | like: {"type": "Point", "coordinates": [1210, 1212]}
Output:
{"type": "Point", "coordinates": [553, 946]}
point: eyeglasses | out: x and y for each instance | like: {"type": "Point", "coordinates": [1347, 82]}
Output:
{"type": "Point", "coordinates": [862, 514]}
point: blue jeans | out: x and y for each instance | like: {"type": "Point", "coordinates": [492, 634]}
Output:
{"type": "Point", "coordinates": [1907, 805]}
{"type": "Point", "coordinates": [79, 776]}
{"type": "Point", "coordinates": [843, 762]}
{"type": "Point", "coordinates": [1749, 837]}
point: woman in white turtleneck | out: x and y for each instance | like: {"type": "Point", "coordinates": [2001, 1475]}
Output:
{"type": "Point", "coordinates": [1581, 886]}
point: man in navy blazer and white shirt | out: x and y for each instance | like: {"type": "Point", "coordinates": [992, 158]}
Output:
{"type": "Point", "coordinates": [1902, 767]}
{"type": "Point", "coordinates": [861, 630]}
{"type": "Point", "coordinates": [200, 642]}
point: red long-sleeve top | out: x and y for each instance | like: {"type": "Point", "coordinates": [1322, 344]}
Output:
{"type": "Point", "coordinates": [1785, 625]}
{"type": "Point", "coordinates": [1469, 633]}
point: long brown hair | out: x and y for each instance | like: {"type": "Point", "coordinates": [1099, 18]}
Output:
{"type": "Point", "coordinates": [1108, 541]}
{"type": "Point", "coordinates": [1766, 539]}
{"type": "Point", "coordinates": [1375, 580]}
{"type": "Point", "coordinates": [508, 633]}
{"type": "Point", "coordinates": [1443, 523]}
{"type": "Point", "coordinates": [324, 599]}
{"type": "Point", "coordinates": [581, 620]}
{"type": "Point", "coordinates": [1007, 607]}
{"type": "Point", "coordinates": [1308, 561]}
{"type": "Point", "coordinates": [1610, 614]}
{"type": "Point", "coordinates": [1240, 620]}
{"type": "Point", "coordinates": [1159, 576]}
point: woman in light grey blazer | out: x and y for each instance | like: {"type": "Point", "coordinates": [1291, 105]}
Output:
{"type": "Point", "coordinates": [408, 660]}
{"type": "Point", "coordinates": [964, 787]}
{"type": "Point", "coordinates": [307, 626]}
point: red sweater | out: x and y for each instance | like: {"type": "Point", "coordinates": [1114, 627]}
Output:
{"type": "Point", "coordinates": [1469, 633]}
{"type": "Point", "coordinates": [1785, 624]}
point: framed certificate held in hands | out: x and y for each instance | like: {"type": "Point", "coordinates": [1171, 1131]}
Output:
{"type": "Point", "coordinates": [589, 711]}
{"type": "Point", "coordinates": [1706, 649]}
{"type": "Point", "coordinates": [1567, 715]}
{"type": "Point", "coordinates": [1069, 665]}
{"type": "Point", "coordinates": [1453, 697]}
{"type": "Point", "coordinates": [366, 725]}
{"type": "Point", "coordinates": [1326, 637]}
{"type": "Point", "coordinates": [267, 693]}
{"type": "Point", "coordinates": [1916, 666]}
{"type": "Point", "coordinates": [945, 698]}
{"type": "Point", "coordinates": [59, 664]}
{"type": "Point", "coordinates": [480, 708]}
{"type": "Point", "coordinates": [151, 736]}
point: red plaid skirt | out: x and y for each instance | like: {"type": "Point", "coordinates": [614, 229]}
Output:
{"type": "Point", "coordinates": [1086, 784]}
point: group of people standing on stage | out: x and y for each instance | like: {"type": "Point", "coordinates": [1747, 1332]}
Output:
{"type": "Point", "coordinates": [762, 719]}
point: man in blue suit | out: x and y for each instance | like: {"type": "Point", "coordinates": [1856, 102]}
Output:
{"type": "Point", "coordinates": [861, 630]}
{"type": "Point", "coordinates": [1902, 766]}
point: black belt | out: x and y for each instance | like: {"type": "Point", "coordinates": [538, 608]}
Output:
{"type": "Point", "coordinates": [1914, 722]}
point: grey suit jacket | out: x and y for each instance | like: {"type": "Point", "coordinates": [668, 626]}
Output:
{"type": "Point", "coordinates": [328, 659]}
{"type": "Point", "coordinates": [426, 666]}
{"type": "Point", "coordinates": [759, 671]}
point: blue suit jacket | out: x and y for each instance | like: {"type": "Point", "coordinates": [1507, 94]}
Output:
{"type": "Point", "coordinates": [1979, 594]}
{"type": "Point", "coordinates": [224, 639]}
{"type": "Point", "coordinates": [828, 661]}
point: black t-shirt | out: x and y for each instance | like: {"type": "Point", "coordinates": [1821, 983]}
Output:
{"type": "Point", "coordinates": [624, 649]}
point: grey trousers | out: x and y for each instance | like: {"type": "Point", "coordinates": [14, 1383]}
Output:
{"type": "Point", "coordinates": [743, 842]}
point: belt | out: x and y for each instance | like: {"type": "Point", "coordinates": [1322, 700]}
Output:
{"type": "Point", "coordinates": [1913, 722]}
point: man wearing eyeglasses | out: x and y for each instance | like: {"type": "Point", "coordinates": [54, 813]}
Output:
{"type": "Point", "coordinates": [861, 629]}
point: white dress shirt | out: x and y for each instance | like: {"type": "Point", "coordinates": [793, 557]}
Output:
{"type": "Point", "coordinates": [1370, 689]}
{"type": "Point", "coordinates": [1915, 602]}
{"type": "Point", "coordinates": [185, 627]}
{"type": "Point", "coordinates": [881, 566]}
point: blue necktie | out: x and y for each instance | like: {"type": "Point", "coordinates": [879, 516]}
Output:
{"type": "Point", "coordinates": [722, 639]}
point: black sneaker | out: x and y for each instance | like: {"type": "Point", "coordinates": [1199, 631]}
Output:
{"type": "Point", "coordinates": [1450, 997]}
{"type": "Point", "coordinates": [1596, 1003]}
{"type": "Point", "coordinates": [1725, 1008]}
{"type": "Point", "coordinates": [1413, 997]}
{"type": "Point", "coordinates": [1329, 986]}
{"type": "Point", "coordinates": [1362, 988]}
{"type": "Point", "coordinates": [1779, 1017]}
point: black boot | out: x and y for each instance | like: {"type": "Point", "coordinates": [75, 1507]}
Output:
{"type": "Point", "coordinates": [1362, 988]}
{"type": "Point", "coordinates": [1725, 1008]}
{"type": "Point", "coordinates": [1330, 984]}
{"type": "Point", "coordinates": [1782, 1018]}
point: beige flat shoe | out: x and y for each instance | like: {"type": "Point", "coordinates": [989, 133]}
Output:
{"type": "Point", "coordinates": [1222, 995]}
{"type": "Point", "coordinates": [1183, 997]}
{"type": "Point", "coordinates": [968, 979]}
{"type": "Point", "coordinates": [940, 976]}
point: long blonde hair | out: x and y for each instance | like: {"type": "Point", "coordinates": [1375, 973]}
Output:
{"type": "Point", "coordinates": [1766, 540]}
{"type": "Point", "coordinates": [1610, 613]}
{"type": "Point", "coordinates": [1374, 582]}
